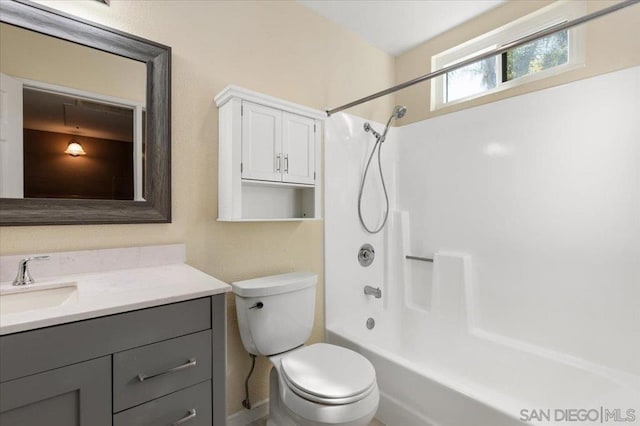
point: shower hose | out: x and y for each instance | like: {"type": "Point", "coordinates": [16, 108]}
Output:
{"type": "Point", "coordinates": [378, 146]}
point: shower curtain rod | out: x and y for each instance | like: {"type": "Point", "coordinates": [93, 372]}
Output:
{"type": "Point", "coordinates": [497, 51]}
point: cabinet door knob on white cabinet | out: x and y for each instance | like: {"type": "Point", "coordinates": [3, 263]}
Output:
{"type": "Point", "coordinates": [277, 144]}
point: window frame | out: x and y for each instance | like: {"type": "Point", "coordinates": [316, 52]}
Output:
{"type": "Point", "coordinates": [552, 15]}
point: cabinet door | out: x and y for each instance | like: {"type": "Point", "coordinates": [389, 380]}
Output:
{"type": "Point", "coordinates": [261, 142]}
{"type": "Point", "coordinates": [79, 394]}
{"type": "Point", "coordinates": [299, 149]}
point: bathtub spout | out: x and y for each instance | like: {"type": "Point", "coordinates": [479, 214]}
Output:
{"type": "Point", "coordinates": [372, 291]}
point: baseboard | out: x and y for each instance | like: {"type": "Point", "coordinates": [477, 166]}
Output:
{"type": "Point", "coordinates": [393, 412]}
{"type": "Point", "coordinates": [244, 417]}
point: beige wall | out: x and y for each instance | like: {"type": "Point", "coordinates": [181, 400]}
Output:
{"type": "Point", "coordinates": [34, 56]}
{"type": "Point", "coordinates": [284, 50]}
{"type": "Point", "coordinates": [612, 43]}
{"type": "Point", "coordinates": [278, 48]}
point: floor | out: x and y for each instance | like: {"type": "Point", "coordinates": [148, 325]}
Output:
{"type": "Point", "coordinates": [263, 422]}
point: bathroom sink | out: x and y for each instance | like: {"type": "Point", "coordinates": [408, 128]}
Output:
{"type": "Point", "coordinates": [21, 299]}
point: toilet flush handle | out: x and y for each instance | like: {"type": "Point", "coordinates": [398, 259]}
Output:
{"type": "Point", "coordinates": [258, 305]}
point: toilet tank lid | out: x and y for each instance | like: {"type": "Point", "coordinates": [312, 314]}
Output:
{"type": "Point", "coordinates": [274, 284]}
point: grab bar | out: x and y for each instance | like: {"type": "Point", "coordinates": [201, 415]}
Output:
{"type": "Point", "coordinates": [422, 259]}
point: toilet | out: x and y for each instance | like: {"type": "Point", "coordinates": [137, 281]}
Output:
{"type": "Point", "coordinates": [319, 384]}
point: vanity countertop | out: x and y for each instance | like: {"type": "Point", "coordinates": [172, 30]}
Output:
{"type": "Point", "coordinates": [113, 292]}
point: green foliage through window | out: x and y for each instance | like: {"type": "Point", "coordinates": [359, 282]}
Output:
{"type": "Point", "coordinates": [530, 58]}
{"type": "Point", "coordinates": [536, 56]}
{"type": "Point", "coordinates": [470, 80]}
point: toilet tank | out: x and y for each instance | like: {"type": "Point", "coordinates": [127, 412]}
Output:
{"type": "Point", "coordinates": [275, 313]}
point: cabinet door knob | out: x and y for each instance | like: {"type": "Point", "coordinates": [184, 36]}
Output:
{"type": "Point", "coordinates": [286, 163]}
{"type": "Point", "coordinates": [278, 163]}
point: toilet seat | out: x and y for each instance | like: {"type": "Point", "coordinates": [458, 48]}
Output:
{"type": "Point", "coordinates": [327, 401]}
{"type": "Point", "coordinates": [328, 374]}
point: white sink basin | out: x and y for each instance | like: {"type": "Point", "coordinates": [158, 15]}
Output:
{"type": "Point", "coordinates": [22, 299]}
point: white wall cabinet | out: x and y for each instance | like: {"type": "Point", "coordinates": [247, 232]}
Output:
{"type": "Point", "coordinates": [277, 146]}
{"type": "Point", "coordinates": [268, 158]}
{"type": "Point", "coordinates": [261, 142]}
{"type": "Point", "coordinates": [298, 149]}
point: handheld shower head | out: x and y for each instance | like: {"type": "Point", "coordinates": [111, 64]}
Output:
{"type": "Point", "coordinates": [399, 111]}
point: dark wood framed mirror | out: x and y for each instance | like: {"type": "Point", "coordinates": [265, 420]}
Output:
{"type": "Point", "coordinates": [153, 203]}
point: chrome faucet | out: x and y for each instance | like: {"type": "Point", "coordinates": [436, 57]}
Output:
{"type": "Point", "coordinates": [373, 291]}
{"type": "Point", "coordinates": [24, 277]}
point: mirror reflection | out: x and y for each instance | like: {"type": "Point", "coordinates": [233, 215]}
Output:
{"type": "Point", "coordinates": [73, 120]}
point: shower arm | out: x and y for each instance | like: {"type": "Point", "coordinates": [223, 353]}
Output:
{"type": "Point", "coordinates": [497, 51]}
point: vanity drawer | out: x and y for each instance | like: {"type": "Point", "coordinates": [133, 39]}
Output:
{"type": "Point", "coordinates": [151, 371]}
{"type": "Point", "coordinates": [66, 344]}
{"type": "Point", "coordinates": [193, 403]}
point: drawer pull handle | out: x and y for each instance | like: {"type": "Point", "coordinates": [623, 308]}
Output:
{"type": "Point", "coordinates": [190, 415]}
{"type": "Point", "coordinates": [190, 363]}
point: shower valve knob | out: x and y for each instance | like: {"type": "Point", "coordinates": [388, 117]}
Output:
{"type": "Point", "coordinates": [366, 254]}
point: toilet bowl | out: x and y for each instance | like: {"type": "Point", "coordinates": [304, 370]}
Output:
{"type": "Point", "coordinates": [322, 384]}
{"type": "Point", "coordinates": [319, 384]}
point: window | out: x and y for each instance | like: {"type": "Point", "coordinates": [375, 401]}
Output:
{"type": "Point", "coordinates": [538, 59]}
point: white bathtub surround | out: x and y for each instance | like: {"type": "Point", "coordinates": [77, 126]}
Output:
{"type": "Point", "coordinates": [543, 191]}
{"type": "Point", "coordinates": [530, 207]}
{"type": "Point", "coordinates": [108, 282]}
{"type": "Point", "coordinates": [451, 278]}
{"type": "Point", "coordinates": [347, 147]}
{"type": "Point", "coordinates": [441, 287]}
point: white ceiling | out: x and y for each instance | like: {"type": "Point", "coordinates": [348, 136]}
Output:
{"type": "Point", "coordinates": [396, 26]}
{"type": "Point", "coordinates": [59, 113]}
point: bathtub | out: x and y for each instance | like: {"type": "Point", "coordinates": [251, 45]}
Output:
{"type": "Point", "coordinates": [444, 377]}
{"type": "Point", "coordinates": [438, 360]}
{"type": "Point", "coordinates": [436, 366]}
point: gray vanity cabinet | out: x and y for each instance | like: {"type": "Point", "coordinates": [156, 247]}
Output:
{"type": "Point", "coordinates": [160, 365]}
{"type": "Point", "coordinates": [79, 394]}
